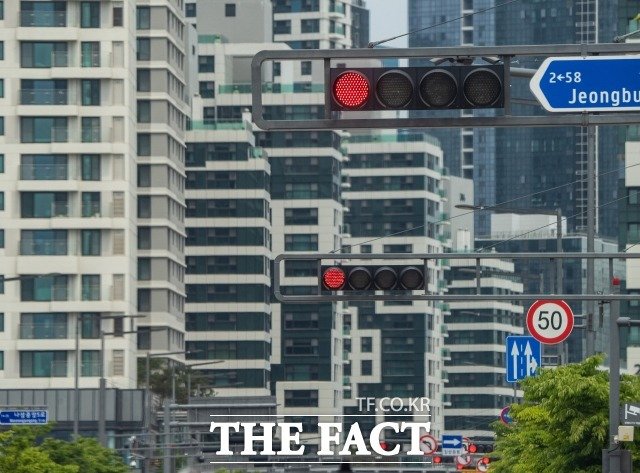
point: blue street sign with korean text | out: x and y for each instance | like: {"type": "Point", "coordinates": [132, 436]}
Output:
{"type": "Point", "coordinates": [588, 84]}
{"type": "Point", "coordinates": [24, 417]}
{"type": "Point", "coordinates": [524, 357]}
{"type": "Point", "coordinates": [451, 445]}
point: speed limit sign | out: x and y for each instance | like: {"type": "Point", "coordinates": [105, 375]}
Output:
{"type": "Point", "coordinates": [550, 321]}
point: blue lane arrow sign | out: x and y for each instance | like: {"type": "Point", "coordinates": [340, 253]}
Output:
{"type": "Point", "coordinates": [524, 357]}
{"type": "Point", "coordinates": [588, 84]}
{"type": "Point", "coordinates": [451, 445]}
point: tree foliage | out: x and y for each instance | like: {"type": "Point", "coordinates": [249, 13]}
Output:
{"type": "Point", "coordinates": [22, 452]}
{"type": "Point", "coordinates": [162, 378]}
{"type": "Point", "coordinates": [562, 424]}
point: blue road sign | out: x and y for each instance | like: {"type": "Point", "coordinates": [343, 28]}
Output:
{"type": "Point", "coordinates": [524, 357]}
{"type": "Point", "coordinates": [24, 417]}
{"type": "Point", "coordinates": [451, 445]}
{"type": "Point", "coordinates": [588, 84]}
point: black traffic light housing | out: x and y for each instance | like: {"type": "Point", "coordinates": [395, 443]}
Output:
{"type": "Point", "coordinates": [417, 88]}
{"type": "Point", "coordinates": [382, 277]}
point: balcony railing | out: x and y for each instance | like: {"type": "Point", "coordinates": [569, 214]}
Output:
{"type": "Point", "coordinates": [32, 247]}
{"type": "Point", "coordinates": [90, 134]}
{"type": "Point", "coordinates": [337, 8]}
{"type": "Point", "coordinates": [50, 19]}
{"type": "Point", "coordinates": [44, 172]}
{"type": "Point", "coordinates": [44, 97]}
{"type": "Point", "coordinates": [42, 331]}
{"type": "Point", "coordinates": [59, 134]}
{"type": "Point", "coordinates": [91, 292]}
{"type": "Point", "coordinates": [91, 209]}
{"type": "Point", "coordinates": [90, 368]}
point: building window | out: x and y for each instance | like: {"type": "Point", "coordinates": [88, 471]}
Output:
{"type": "Point", "coordinates": [1, 238]}
{"type": "Point", "coordinates": [43, 364]}
{"type": "Point", "coordinates": [1, 200]}
{"type": "Point", "coordinates": [1, 9]}
{"type": "Point", "coordinates": [143, 49]}
{"type": "Point", "coordinates": [143, 80]}
{"type": "Point", "coordinates": [1, 322]}
{"type": "Point", "coordinates": [144, 269]}
{"type": "Point", "coordinates": [43, 326]}
{"type": "Point", "coordinates": [310, 26]}
{"type": "Point", "coordinates": [301, 398]}
{"type": "Point", "coordinates": [35, 54]}
{"type": "Point", "coordinates": [1, 88]}
{"type": "Point", "coordinates": [144, 111]}
{"type": "Point", "coordinates": [230, 9]}
{"type": "Point", "coordinates": [190, 10]}
{"type": "Point", "coordinates": [43, 242]}
{"type": "Point", "coordinates": [301, 242]}
{"type": "Point", "coordinates": [305, 68]}
{"type": "Point", "coordinates": [90, 363]}
{"type": "Point", "coordinates": [143, 18]}
{"type": "Point", "coordinates": [90, 325]}
{"type": "Point", "coordinates": [44, 289]}
{"type": "Point", "coordinates": [43, 167]}
{"type": "Point", "coordinates": [90, 91]}
{"type": "Point", "coordinates": [90, 129]}
{"type": "Point", "coordinates": [1, 352]}
{"type": "Point", "coordinates": [118, 16]}
{"type": "Point", "coordinates": [91, 242]}
{"type": "Point", "coordinates": [206, 64]}
{"type": "Point", "coordinates": [43, 204]}
{"type": "Point", "coordinates": [90, 204]}
{"type": "Point", "coordinates": [90, 167]}
{"type": "Point", "coordinates": [1, 50]}
{"type": "Point", "coordinates": [207, 89]}
{"type": "Point", "coordinates": [43, 92]}
{"type": "Point", "coordinates": [1, 163]}
{"type": "Point", "coordinates": [144, 144]}
{"type": "Point", "coordinates": [90, 15]}
{"type": "Point", "coordinates": [366, 345]}
{"type": "Point", "coordinates": [90, 54]}
{"type": "Point", "coordinates": [1, 126]}
{"type": "Point", "coordinates": [43, 14]}
{"type": "Point", "coordinates": [43, 129]}
{"type": "Point", "coordinates": [90, 287]}
{"type": "Point", "coordinates": [366, 367]}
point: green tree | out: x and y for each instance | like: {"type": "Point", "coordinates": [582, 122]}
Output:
{"type": "Point", "coordinates": [19, 452]}
{"type": "Point", "coordinates": [562, 424]}
{"type": "Point", "coordinates": [86, 453]}
{"type": "Point", "coordinates": [161, 378]}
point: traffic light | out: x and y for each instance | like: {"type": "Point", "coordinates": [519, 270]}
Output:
{"type": "Point", "coordinates": [417, 88]}
{"type": "Point", "coordinates": [372, 278]}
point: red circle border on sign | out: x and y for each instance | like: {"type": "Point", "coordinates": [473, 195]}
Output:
{"type": "Point", "coordinates": [435, 440]}
{"type": "Point", "coordinates": [564, 335]}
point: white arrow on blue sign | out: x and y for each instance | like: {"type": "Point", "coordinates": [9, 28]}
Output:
{"type": "Point", "coordinates": [524, 356]}
{"type": "Point", "coordinates": [588, 84]}
{"type": "Point", "coordinates": [451, 445]}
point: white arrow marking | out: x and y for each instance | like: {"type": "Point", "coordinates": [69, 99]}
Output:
{"type": "Point", "coordinates": [532, 364]}
{"type": "Point", "coordinates": [515, 353]}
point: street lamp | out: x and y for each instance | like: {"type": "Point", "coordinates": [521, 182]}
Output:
{"type": "Point", "coordinates": [102, 434]}
{"type": "Point", "coordinates": [214, 362]}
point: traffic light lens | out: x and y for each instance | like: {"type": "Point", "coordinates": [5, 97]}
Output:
{"type": "Point", "coordinates": [482, 88]}
{"type": "Point", "coordinates": [385, 278]}
{"type": "Point", "coordinates": [485, 460]}
{"type": "Point", "coordinates": [394, 89]}
{"type": "Point", "coordinates": [360, 279]}
{"type": "Point", "coordinates": [411, 278]}
{"type": "Point", "coordinates": [351, 89]}
{"type": "Point", "coordinates": [472, 449]}
{"type": "Point", "coordinates": [438, 89]}
{"type": "Point", "coordinates": [333, 278]}
{"type": "Point", "coordinates": [437, 459]}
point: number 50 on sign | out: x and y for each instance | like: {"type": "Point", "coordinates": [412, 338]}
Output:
{"type": "Point", "coordinates": [550, 321]}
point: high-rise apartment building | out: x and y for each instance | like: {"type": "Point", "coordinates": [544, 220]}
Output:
{"type": "Point", "coordinates": [395, 195]}
{"type": "Point", "coordinates": [507, 164]}
{"type": "Point", "coordinates": [93, 106]}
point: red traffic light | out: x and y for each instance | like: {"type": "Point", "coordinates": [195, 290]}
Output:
{"type": "Point", "coordinates": [383, 446]}
{"type": "Point", "coordinates": [486, 460]}
{"type": "Point", "coordinates": [351, 89]}
{"type": "Point", "coordinates": [437, 459]}
{"type": "Point", "coordinates": [472, 448]}
{"type": "Point", "coordinates": [333, 278]}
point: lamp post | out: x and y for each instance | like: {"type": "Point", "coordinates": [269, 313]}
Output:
{"type": "Point", "coordinates": [214, 362]}
{"type": "Point", "coordinates": [102, 401]}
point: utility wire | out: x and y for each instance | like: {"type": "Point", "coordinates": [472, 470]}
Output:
{"type": "Point", "coordinates": [376, 43]}
{"type": "Point", "coordinates": [552, 224]}
{"type": "Point", "coordinates": [496, 207]}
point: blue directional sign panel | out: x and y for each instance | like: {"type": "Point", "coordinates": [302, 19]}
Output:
{"type": "Point", "coordinates": [24, 417]}
{"type": "Point", "coordinates": [588, 84]}
{"type": "Point", "coordinates": [451, 445]}
{"type": "Point", "coordinates": [524, 357]}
